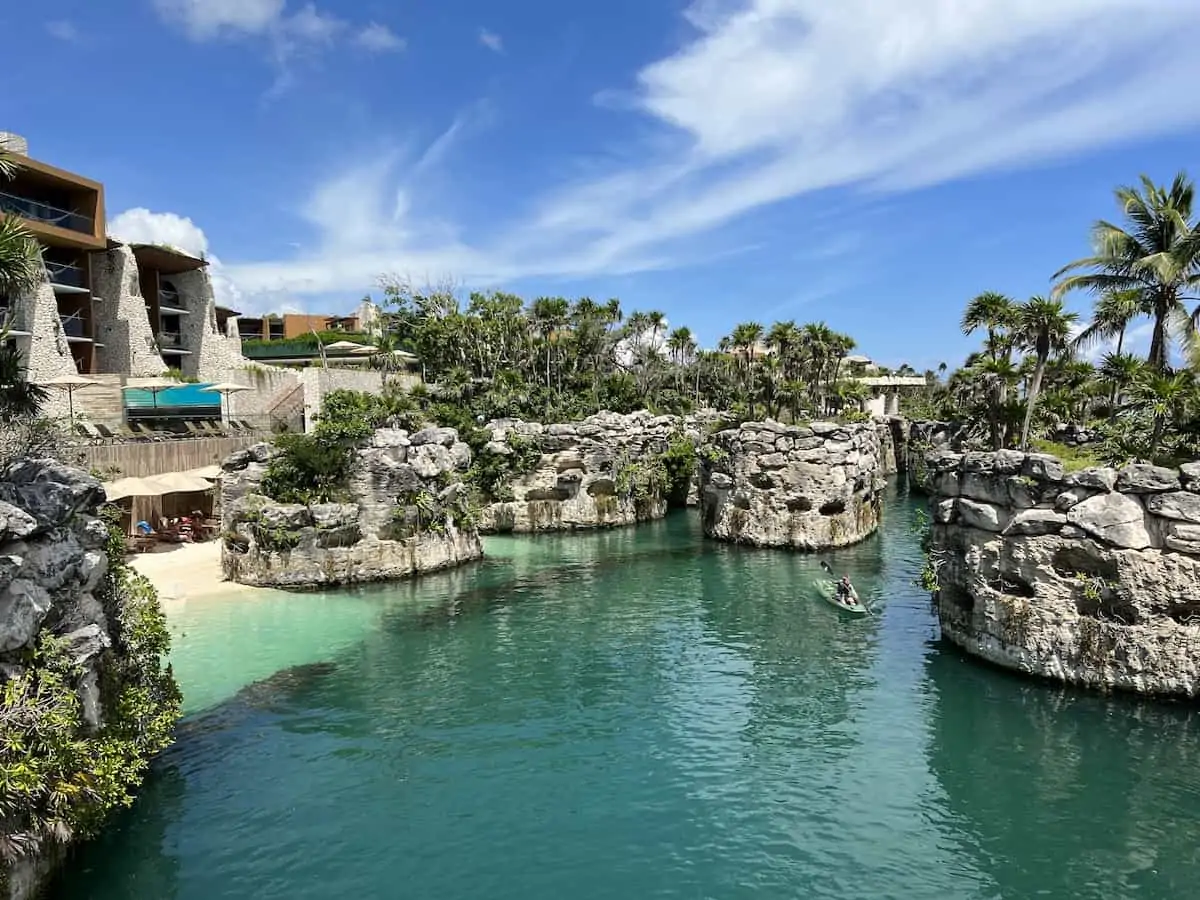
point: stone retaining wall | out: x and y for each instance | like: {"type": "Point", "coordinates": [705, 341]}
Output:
{"type": "Point", "coordinates": [1087, 577]}
{"type": "Point", "coordinates": [405, 512]}
{"type": "Point", "coordinates": [809, 487]}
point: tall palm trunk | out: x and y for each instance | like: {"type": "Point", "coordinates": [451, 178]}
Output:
{"type": "Point", "coordinates": [1035, 386]}
{"type": "Point", "coordinates": [1158, 342]}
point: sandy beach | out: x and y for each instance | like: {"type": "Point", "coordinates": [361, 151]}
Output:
{"type": "Point", "coordinates": [186, 571]}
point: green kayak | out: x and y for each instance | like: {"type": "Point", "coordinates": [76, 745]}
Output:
{"type": "Point", "coordinates": [828, 591]}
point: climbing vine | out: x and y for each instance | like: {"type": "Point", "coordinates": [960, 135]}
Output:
{"type": "Point", "coordinates": [59, 779]}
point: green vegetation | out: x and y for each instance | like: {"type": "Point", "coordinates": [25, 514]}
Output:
{"type": "Point", "coordinates": [555, 360]}
{"type": "Point", "coordinates": [59, 779]}
{"type": "Point", "coordinates": [177, 375]}
{"type": "Point", "coordinates": [492, 473]}
{"type": "Point", "coordinates": [1028, 378]}
{"type": "Point", "coordinates": [1073, 458]}
{"type": "Point", "coordinates": [20, 258]}
{"type": "Point", "coordinates": [314, 467]}
{"type": "Point", "coordinates": [307, 342]}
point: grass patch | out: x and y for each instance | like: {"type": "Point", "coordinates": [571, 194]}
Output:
{"type": "Point", "coordinates": [1073, 458]}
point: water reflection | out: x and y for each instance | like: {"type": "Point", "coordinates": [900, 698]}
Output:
{"type": "Point", "coordinates": [1067, 794]}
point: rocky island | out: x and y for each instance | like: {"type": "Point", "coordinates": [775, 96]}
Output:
{"type": "Point", "coordinates": [1087, 577]}
{"type": "Point", "coordinates": [402, 510]}
{"type": "Point", "coordinates": [809, 487]}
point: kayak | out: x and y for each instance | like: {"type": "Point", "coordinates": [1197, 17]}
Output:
{"type": "Point", "coordinates": [828, 591]}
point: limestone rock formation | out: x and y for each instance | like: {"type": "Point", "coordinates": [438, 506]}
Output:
{"type": "Point", "coordinates": [1086, 577]}
{"type": "Point", "coordinates": [404, 512]}
{"type": "Point", "coordinates": [810, 487]}
{"type": "Point", "coordinates": [597, 473]}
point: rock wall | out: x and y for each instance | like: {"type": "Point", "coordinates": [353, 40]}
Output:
{"type": "Point", "coordinates": [809, 487]}
{"type": "Point", "coordinates": [927, 437]}
{"type": "Point", "coordinates": [591, 474]}
{"type": "Point", "coordinates": [405, 512]}
{"type": "Point", "coordinates": [45, 349]}
{"type": "Point", "coordinates": [893, 445]}
{"type": "Point", "coordinates": [122, 324]}
{"type": "Point", "coordinates": [55, 580]}
{"type": "Point", "coordinates": [1087, 577]}
{"type": "Point", "coordinates": [214, 353]}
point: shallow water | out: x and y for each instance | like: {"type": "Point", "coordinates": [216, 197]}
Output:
{"type": "Point", "coordinates": [640, 713]}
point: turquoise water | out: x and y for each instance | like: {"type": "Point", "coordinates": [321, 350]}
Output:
{"type": "Point", "coordinates": [640, 714]}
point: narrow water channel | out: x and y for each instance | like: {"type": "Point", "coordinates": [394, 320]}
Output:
{"type": "Point", "coordinates": [633, 714]}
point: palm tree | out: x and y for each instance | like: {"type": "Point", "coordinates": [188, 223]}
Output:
{"type": "Point", "coordinates": [1157, 257]}
{"type": "Point", "coordinates": [1118, 371]}
{"type": "Point", "coordinates": [1166, 396]}
{"type": "Point", "coordinates": [744, 339]}
{"type": "Point", "coordinates": [18, 398]}
{"type": "Point", "coordinates": [1044, 327]}
{"type": "Point", "coordinates": [20, 259]}
{"type": "Point", "coordinates": [1110, 318]}
{"type": "Point", "coordinates": [992, 312]}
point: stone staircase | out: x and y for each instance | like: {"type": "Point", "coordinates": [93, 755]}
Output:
{"type": "Point", "coordinates": [285, 411]}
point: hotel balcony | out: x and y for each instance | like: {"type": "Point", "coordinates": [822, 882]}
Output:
{"type": "Point", "coordinates": [171, 342]}
{"type": "Point", "coordinates": [40, 211]}
{"type": "Point", "coordinates": [75, 328]}
{"type": "Point", "coordinates": [67, 278]}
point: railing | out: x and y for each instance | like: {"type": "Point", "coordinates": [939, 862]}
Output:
{"type": "Point", "coordinates": [65, 273]}
{"type": "Point", "coordinates": [170, 339]}
{"type": "Point", "coordinates": [74, 326]}
{"type": "Point", "coordinates": [168, 296]}
{"type": "Point", "coordinates": [44, 212]}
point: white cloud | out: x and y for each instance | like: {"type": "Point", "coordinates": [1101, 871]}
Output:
{"type": "Point", "coordinates": [491, 40]}
{"type": "Point", "coordinates": [778, 99]}
{"type": "Point", "coordinates": [379, 39]}
{"type": "Point", "coordinates": [288, 31]}
{"type": "Point", "coordinates": [64, 31]}
{"type": "Point", "coordinates": [207, 19]}
{"type": "Point", "coordinates": [140, 225]}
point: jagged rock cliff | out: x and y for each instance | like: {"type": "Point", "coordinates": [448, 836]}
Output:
{"type": "Point", "coordinates": [81, 646]}
{"type": "Point", "coordinates": [809, 487]}
{"type": "Point", "coordinates": [604, 471]}
{"type": "Point", "coordinates": [1087, 577]}
{"type": "Point", "coordinates": [404, 512]}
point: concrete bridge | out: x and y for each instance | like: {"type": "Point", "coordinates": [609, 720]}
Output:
{"type": "Point", "coordinates": [883, 397]}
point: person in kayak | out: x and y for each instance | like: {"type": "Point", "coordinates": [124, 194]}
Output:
{"type": "Point", "coordinates": [844, 595]}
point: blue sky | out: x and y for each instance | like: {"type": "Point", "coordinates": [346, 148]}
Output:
{"type": "Point", "coordinates": [870, 164]}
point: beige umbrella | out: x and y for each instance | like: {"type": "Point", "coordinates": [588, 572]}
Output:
{"type": "Point", "coordinates": [70, 384]}
{"type": "Point", "coordinates": [343, 345]}
{"type": "Point", "coordinates": [133, 487]}
{"type": "Point", "coordinates": [365, 349]}
{"type": "Point", "coordinates": [212, 473]}
{"type": "Point", "coordinates": [225, 388]}
{"type": "Point", "coordinates": [180, 483]}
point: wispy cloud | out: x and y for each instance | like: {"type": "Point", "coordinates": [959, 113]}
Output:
{"type": "Point", "coordinates": [491, 40]}
{"type": "Point", "coordinates": [64, 30]}
{"type": "Point", "coordinates": [774, 100]}
{"type": "Point", "coordinates": [288, 32]}
{"type": "Point", "coordinates": [379, 39]}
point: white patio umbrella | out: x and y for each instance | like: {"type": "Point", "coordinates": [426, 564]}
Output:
{"type": "Point", "coordinates": [212, 473]}
{"type": "Point", "coordinates": [70, 384]}
{"type": "Point", "coordinates": [154, 385]}
{"type": "Point", "coordinates": [365, 349]}
{"type": "Point", "coordinates": [349, 346]}
{"type": "Point", "coordinates": [179, 483]}
{"type": "Point", "coordinates": [225, 388]}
